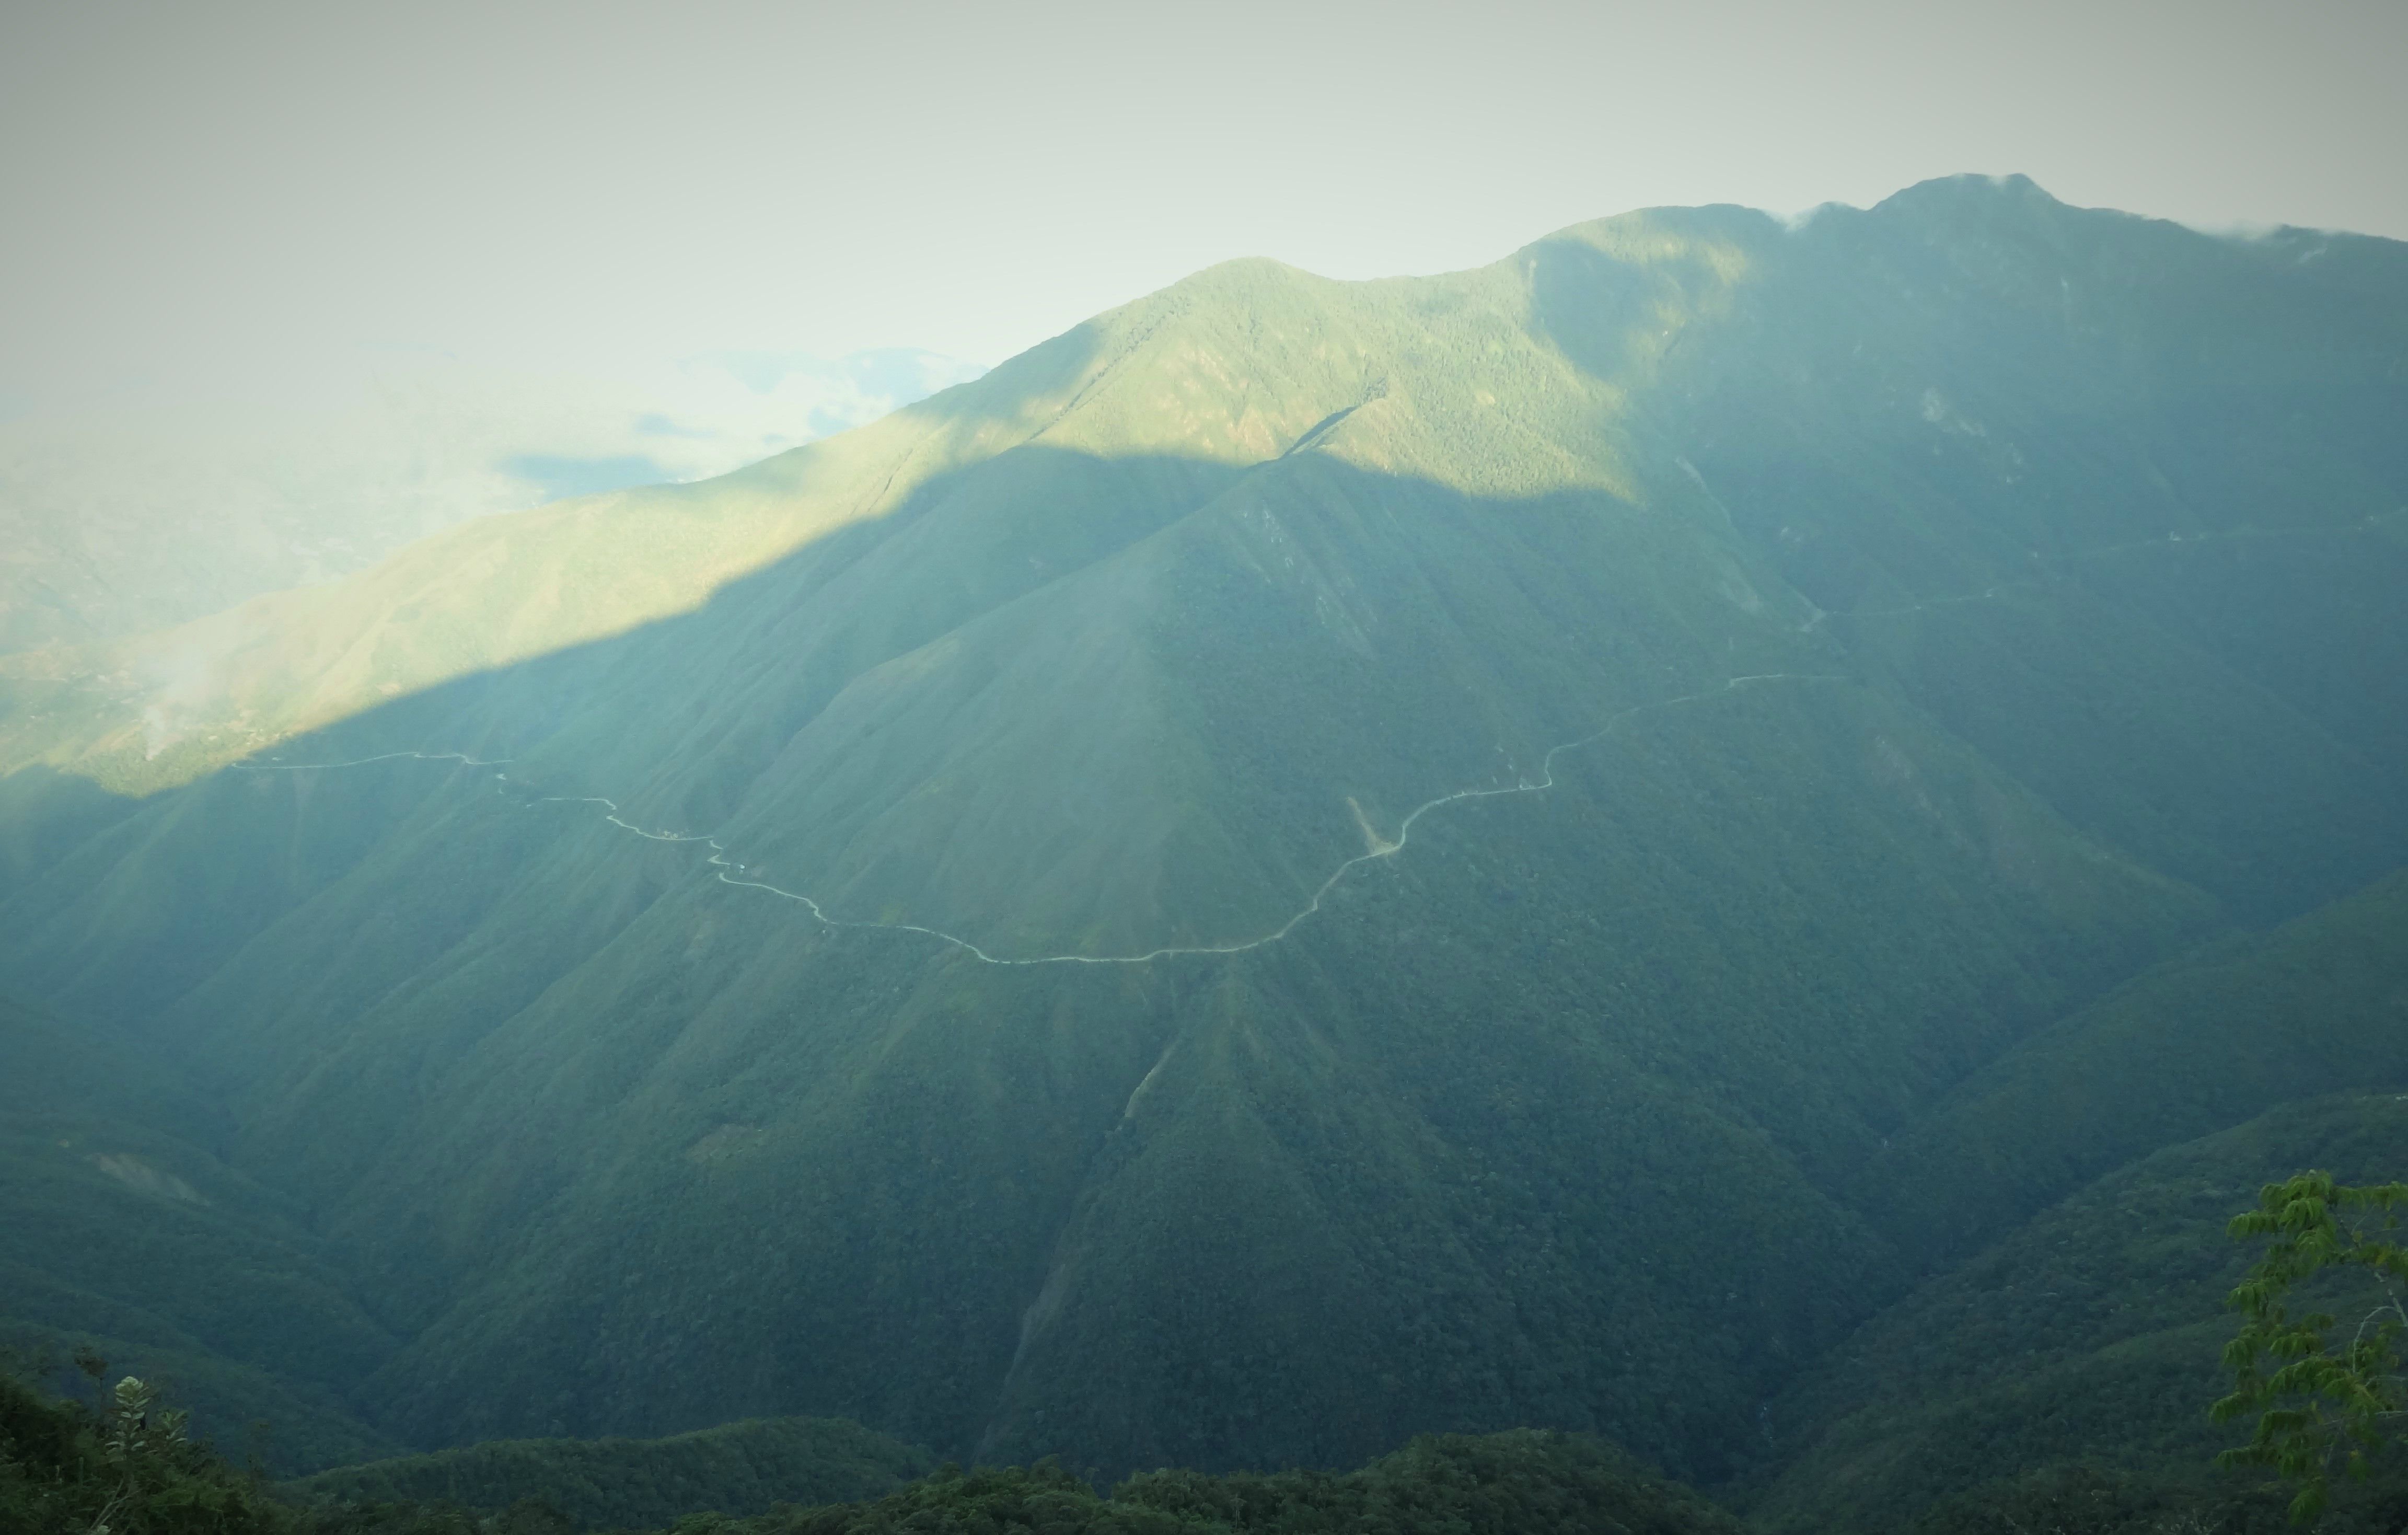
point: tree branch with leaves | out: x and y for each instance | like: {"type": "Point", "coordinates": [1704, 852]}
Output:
{"type": "Point", "coordinates": [2321, 1402]}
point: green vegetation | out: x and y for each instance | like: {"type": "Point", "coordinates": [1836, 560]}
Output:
{"type": "Point", "coordinates": [1511, 1483]}
{"type": "Point", "coordinates": [1959, 642]}
{"type": "Point", "coordinates": [736, 1469]}
{"type": "Point", "coordinates": [2085, 1500]}
{"type": "Point", "coordinates": [2087, 1446]}
{"type": "Point", "coordinates": [130, 1469]}
{"type": "Point", "coordinates": [2201, 1042]}
{"type": "Point", "coordinates": [2320, 1401]}
{"type": "Point", "coordinates": [134, 1242]}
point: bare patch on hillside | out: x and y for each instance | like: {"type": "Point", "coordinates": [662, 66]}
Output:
{"type": "Point", "coordinates": [137, 1174]}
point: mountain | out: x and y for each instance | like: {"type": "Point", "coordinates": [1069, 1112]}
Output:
{"type": "Point", "coordinates": [1302, 863]}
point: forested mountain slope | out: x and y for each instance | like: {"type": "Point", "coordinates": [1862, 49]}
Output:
{"type": "Point", "coordinates": [2198, 1044]}
{"type": "Point", "coordinates": [2089, 1337]}
{"type": "Point", "coordinates": [128, 1238]}
{"type": "Point", "coordinates": [1304, 863]}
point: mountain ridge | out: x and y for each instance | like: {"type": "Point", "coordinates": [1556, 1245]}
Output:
{"type": "Point", "coordinates": [1624, 980]}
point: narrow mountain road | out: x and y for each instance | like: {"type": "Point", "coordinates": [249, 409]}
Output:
{"type": "Point", "coordinates": [1377, 847]}
{"type": "Point", "coordinates": [731, 872]}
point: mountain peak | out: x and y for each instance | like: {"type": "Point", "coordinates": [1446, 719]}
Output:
{"type": "Point", "coordinates": [1970, 189]}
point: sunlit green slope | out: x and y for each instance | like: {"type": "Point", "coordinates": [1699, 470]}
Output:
{"type": "Point", "coordinates": [1304, 863]}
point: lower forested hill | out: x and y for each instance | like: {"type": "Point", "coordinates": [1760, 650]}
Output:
{"type": "Point", "coordinates": [738, 1469]}
{"type": "Point", "coordinates": [67, 1469]}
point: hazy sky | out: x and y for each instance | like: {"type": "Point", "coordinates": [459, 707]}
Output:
{"type": "Point", "coordinates": [195, 187]}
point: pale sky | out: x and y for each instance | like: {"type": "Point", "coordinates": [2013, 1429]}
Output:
{"type": "Point", "coordinates": [194, 191]}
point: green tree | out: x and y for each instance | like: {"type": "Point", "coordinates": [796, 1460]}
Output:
{"type": "Point", "coordinates": [139, 1448]}
{"type": "Point", "coordinates": [2319, 1399]}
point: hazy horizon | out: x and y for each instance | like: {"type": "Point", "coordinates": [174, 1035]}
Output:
{"type": "Point", "coordinates": [238, 195]}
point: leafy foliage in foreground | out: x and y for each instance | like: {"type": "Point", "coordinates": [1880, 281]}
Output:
{"type": "Point", "coordinates": [126, 1471]}
{"type": "Point", "coordinates": [2320, 1401]}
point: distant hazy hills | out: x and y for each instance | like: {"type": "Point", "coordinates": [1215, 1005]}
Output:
{"type": "Point", "coordinates": [1306, 862]}
{"type": "Point", "coordinates": [170, 500]}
